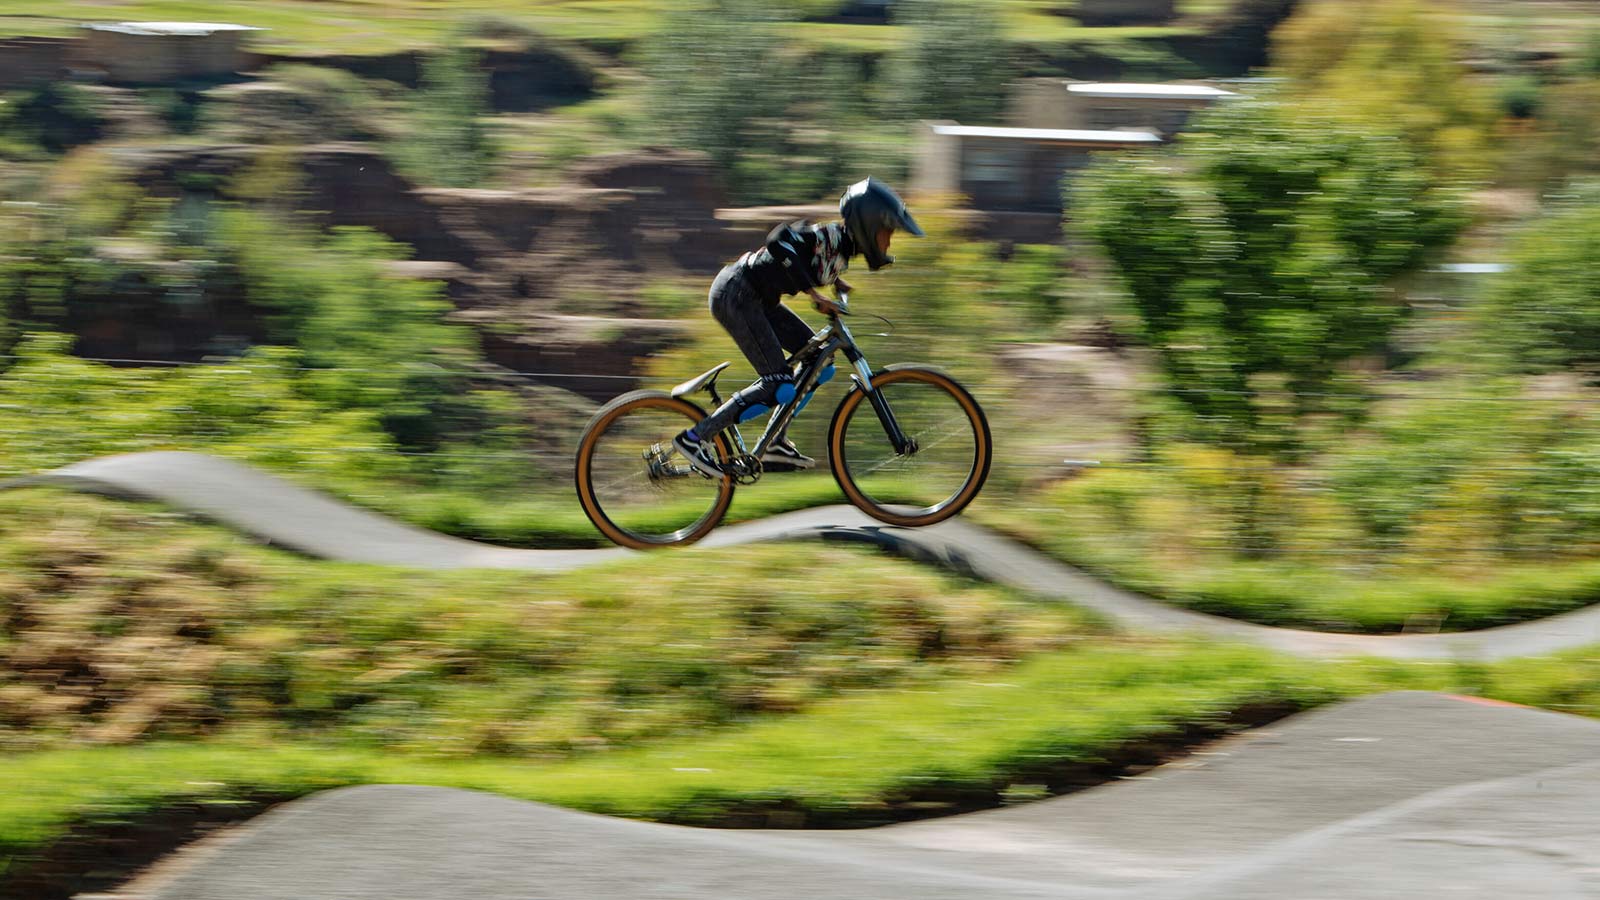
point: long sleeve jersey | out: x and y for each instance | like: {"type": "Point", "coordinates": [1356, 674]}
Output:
{"type": "Point", "coordinates": [798, 256]}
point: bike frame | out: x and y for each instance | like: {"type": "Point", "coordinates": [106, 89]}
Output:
{"type": "Point", "coordinates": [815, 356]}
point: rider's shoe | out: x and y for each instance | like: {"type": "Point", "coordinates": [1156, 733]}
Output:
{"type": "Point", "coordinates": [784, 456]}
{"type": "Point", "coordinates": [702, 455]}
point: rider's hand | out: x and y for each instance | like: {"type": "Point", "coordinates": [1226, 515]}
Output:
{"type": "Point", "coordinates": [823, 304]}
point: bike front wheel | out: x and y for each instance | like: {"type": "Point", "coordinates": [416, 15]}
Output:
{"type": "Point", "coordinates": [637, 489]}
{"type": "Point", "coordinates": [944, 471]}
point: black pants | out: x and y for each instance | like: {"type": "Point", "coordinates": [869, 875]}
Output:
{"type": "Point", "coordinates": [763, 330]}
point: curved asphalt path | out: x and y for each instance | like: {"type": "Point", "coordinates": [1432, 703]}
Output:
{"type": "Point", "coordinates": [290, 516]}
{"type": "Point", "coordinates": [1406, 795]}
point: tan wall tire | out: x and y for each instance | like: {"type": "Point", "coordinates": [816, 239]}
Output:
{"type": "Point", "coordinates": [584, 471]}
{"type": "Point", "coordinates": [856, 403]}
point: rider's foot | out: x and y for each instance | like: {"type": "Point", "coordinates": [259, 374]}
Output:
{"type": "Point", "coordinates": [702, 455]}
{"type": "Point", "coordinates": [784, 456]}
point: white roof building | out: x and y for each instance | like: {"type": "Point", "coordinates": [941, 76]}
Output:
{"type": "Point", "coordinates": [1060, 103]}
{"type": "Point", "coordinates": [1018, 170]}
{"type": "Point", "coordinates": [1135, 91]}
{"type": "Point", "coordinates": [156, 52]}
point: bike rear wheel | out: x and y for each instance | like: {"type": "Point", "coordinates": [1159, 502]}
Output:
{"type": "Point", "coordinates": [938, 479]}
{"type": "Point", "coordinates": [637, 489]}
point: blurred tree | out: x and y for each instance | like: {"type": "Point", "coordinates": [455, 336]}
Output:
{"type": "Point", "coordinates": [1546, 312]}
{"type": "Point", "coordinates": [1394, 66]}
{"type": "Point", "coordinates": [785, 133]}
{"type": "Point", "coordinates": [446, 143]}
{"type": "Point", "coordinates": [369, 341]}
{"type": "Point", "coordinates": [955, 63]}
{"type": "Point", "coordinates": [720, 82]}
{"type": "Point", "coordinates": [47, 262]}
{"type": "Point", "coordinates": [1586, 63]}
{"type": "Point", "coordinates": [1260, 260]}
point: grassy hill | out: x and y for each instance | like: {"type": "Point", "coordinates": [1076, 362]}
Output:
{"type": "Point", "coordinates": [370, 26]}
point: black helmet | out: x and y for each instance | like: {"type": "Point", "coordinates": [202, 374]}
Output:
{"type": "Point", "coordinates": [868, 207]}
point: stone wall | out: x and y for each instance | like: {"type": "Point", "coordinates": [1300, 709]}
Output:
{"type": "Point", "coordinates": [343, 184]}
{"type": "Point", "coordinates": [676, 195]}
{"type": "Point", "coordinates": [520, 80]}
{"type": "Point", "coordinates": [26, 61]}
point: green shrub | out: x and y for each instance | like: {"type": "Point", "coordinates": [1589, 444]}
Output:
{"type": "Point", "coordinates": [1545, 312]}
{"type": "Point", "coordinates": [1394, 67]}
{"type": "Point", "coordinates": [54, 117]}
{"type": "Point", "coordinates": [1521, 97]}
{"type": "Point", "coordinates": [1263, 262]}
{"type": "Point", "coordinates": [1586, 62]}
{"type": "Point", "coordinates": [446, 142]}
{"type": "Point", "coordinates": [181, 110]}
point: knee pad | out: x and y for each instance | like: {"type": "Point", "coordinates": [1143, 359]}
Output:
{"type": "Point", "coordinates": [823, 377]}
{"type": "Point", "coordinates": [762, 396]}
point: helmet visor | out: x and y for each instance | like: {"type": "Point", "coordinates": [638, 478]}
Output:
{"type": "Point", "coordinates": [902, 221]}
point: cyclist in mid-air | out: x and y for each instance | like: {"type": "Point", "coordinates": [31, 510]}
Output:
{"type": "Point", "coordinates": [745, 300]}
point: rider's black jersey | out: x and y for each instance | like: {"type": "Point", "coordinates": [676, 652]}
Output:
{"type": "Point", "coordinates": [796, 257]}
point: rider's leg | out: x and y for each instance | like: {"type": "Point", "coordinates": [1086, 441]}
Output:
{"type": "Point", "coordinates": [755, 400]}
{"type": "Point", "coordinates": [755, 329]}
{"type": "Point", "coordinates": [791, 330]}
{"type": "Point", "coordinates": [740, 310]}
{"type": "Point", "coordinates": [793, 333]}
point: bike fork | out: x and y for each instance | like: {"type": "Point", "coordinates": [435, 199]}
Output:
{"type": "Point", "coordinates": [903, 445]}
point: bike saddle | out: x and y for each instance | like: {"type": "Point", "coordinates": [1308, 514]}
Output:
{"type": "Point", "coordinates": [700, 382]}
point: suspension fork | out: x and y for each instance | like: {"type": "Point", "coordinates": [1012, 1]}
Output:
{"type": "Point", "coordinates": [902, 444]}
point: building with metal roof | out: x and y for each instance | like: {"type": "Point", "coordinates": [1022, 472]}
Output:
{"type": "Point", "coordinates": [158, 52]}
{"type": "Point", "coordinates": [1063, 103]}
{"type": "Point", "coordinates": [1012, 170]}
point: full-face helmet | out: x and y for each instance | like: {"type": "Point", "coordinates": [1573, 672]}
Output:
{"type": "Point", "coordinates": [868, 207]}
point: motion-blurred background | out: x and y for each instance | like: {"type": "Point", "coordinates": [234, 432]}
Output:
{"type": "Point", "coordinates": [1288, 311]}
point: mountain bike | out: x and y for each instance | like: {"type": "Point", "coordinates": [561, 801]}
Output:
{"type": "Point", "coordinates": [908, 445]}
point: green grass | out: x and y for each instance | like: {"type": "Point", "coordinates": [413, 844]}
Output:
{"type": "Point", "coordinates": [1144, 532]}
{"type": "Point", "coordinates": [846, 754]}
{"type": "Point", "coordinates": [553, 518]}
{"type": "Point", "coordinates": [186, 631]}
{"type": "Point", "coordinates": [347, 26]}
{"type": "Point", "coordinates": [376, 26]}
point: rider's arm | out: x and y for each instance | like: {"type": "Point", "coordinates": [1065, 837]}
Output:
{"type": "Point", "coordinates": [823, 304]}
{"type": "Point", "coordinates": [790, 248]}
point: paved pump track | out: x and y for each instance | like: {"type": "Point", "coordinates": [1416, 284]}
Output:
{"type": "Point", "coordinates": [1407, 795]}
{"type": "Point", "coordinates": [303, 520]}
{"type": "Point", "coordinates": [1401, 795]}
